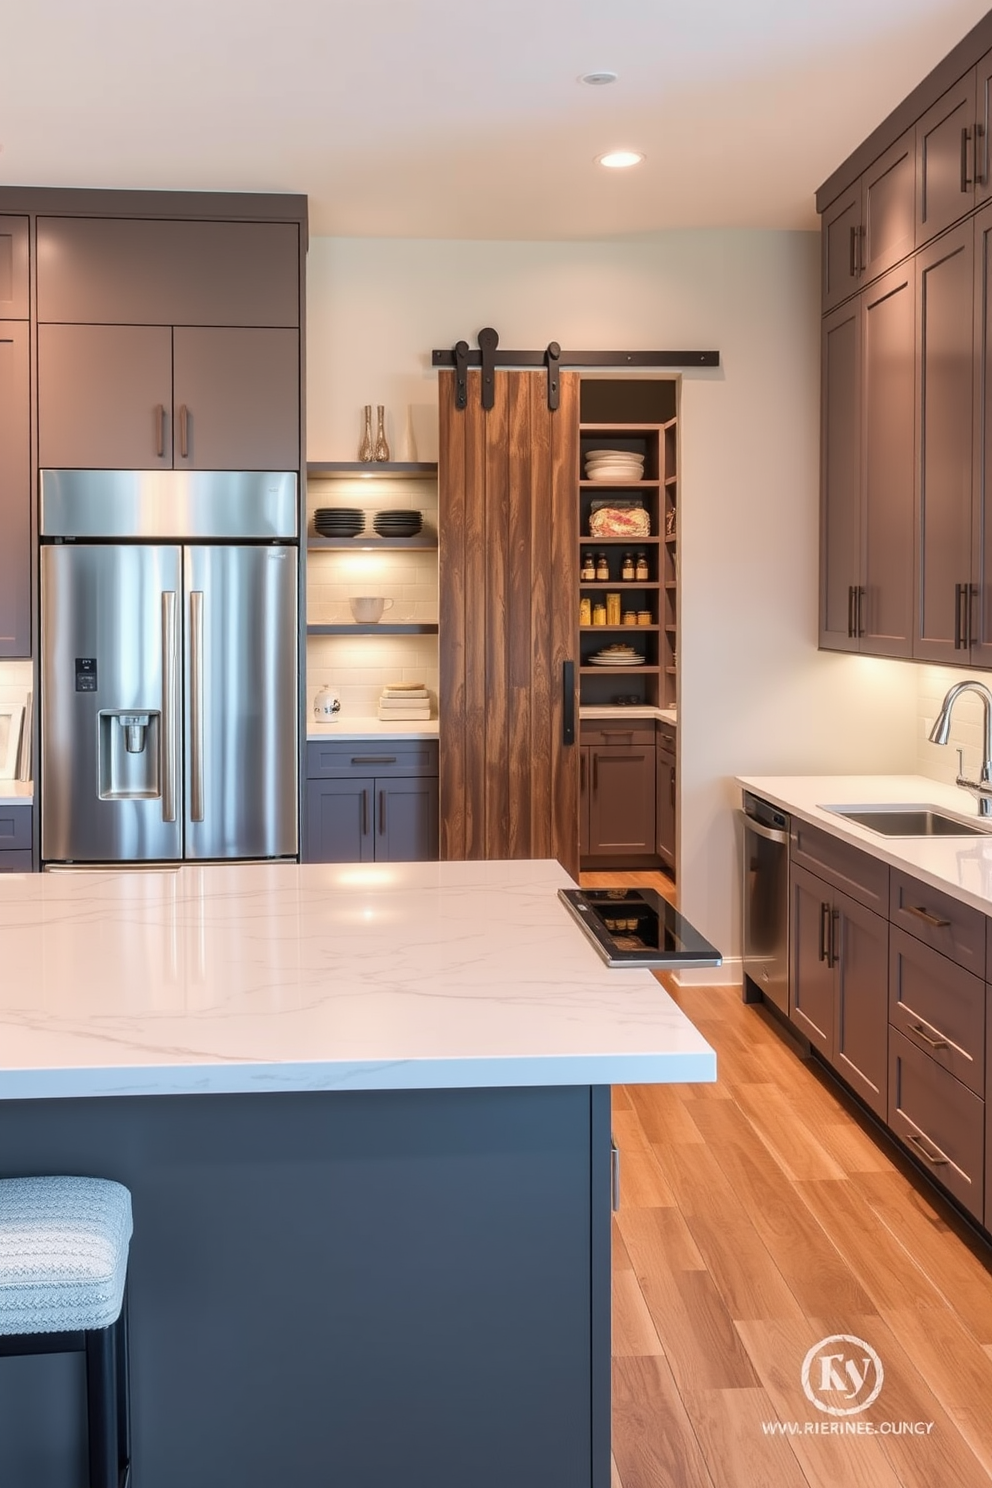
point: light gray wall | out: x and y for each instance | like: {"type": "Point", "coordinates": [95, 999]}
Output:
{"type": "Point", "coordinates": [756, 695]}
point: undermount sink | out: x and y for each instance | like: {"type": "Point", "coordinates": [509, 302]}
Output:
{"type": "Point", "coordinates": [911, 821]}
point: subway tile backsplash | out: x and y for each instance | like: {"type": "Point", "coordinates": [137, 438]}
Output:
{"type": "Point", "coordinates": [937, 761]}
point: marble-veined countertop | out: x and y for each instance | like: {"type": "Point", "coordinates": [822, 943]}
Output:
{"type": "Point", "coordinates": [269, 977]}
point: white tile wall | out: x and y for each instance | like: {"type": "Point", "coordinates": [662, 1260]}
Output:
{"type": "Point", "coordinates": [940, 762]}
{"type": "Point", "coordinates": [360, 666]}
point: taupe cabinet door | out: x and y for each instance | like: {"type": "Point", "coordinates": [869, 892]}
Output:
{"type": "Point", "coordinates": [840, 476]}
{"type": "Point", "coordinates": [888, 198]}
{"type": "Point", "coordinates": [236, 399]}
{"type": "Point", "coordinates": [118, 271]}
{"type": "Point", "coordinates": [13, 268]}
{"type": "Point", "coordinates": [841, 230]}
{"type": "Point", "coordinates": [104, 397]}
{"type": "Point", "coordinates": [622, 800]}
{"type": "Point", "coordinates": [15, 490]}
{"type": "Point", "coordinates": [981, 602]}
{"type": "Point", "coordinates": [812, 983]}
{"type": "Point", "coordinates": [945, 393]}
{"type": "Point", "coordinates": [509, 560]}
{"type": "Point", "coordinates": [861, 1024]}
{"type": "Point", "coordinates": [945, 160]}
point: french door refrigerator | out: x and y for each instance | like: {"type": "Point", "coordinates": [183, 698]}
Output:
{"type": "Point", "coordinates": [169, 666]}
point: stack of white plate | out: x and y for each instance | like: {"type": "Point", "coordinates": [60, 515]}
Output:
{"type": "Point", "coordinates": [614, 466]}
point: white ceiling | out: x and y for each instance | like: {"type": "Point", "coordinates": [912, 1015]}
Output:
{"type": "Point", "coordinates": [456, 118]}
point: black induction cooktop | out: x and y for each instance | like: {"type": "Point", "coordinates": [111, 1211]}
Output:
{"type": "Point", "coordinates": [637, 927]}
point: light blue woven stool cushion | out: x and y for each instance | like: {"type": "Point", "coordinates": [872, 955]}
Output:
{"type": "Point", "coordinates": [63, 1253]}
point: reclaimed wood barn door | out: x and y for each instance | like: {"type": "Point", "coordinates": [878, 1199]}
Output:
{"type": "Point", "coordinates": [509, 551]}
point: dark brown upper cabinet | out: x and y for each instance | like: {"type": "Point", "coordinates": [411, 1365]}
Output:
{"type": "Point", "coordinates": [153, 397]}
{"type": "Point", "coordinates": [950, 142]}
{"type": "Point", "coordinates": [867, 471]}
{"type": "Point", "coordinates": [980, 605]}
{"type": "Point", "coordinates": [945, 373]}
{"type": "Point", "coordinates": [119, 271]}
{"type": "Point", "coordinates": [13, 268]}
{"type": "Point", "coordinates": [105, 397]}
{"type": "Point", "coordinates": [236, 398]}
{"type": "Point", "coordinates": [871, 227]}
{"type": "Point", "coordinates": [15, 490]}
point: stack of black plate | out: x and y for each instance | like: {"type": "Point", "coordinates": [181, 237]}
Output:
{"type": "Point", "coordinates": [339, 521]}
{"type": "Point", "coordinates": [398, 523]}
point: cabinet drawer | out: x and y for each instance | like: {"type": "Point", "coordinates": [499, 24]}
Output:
{"type": "Point", "coordinates": [847, 868]}
{"type": "Point", "coordinates": [15, 862]}
{"type": "Point", "coordinates": [380, 757]}
{"type": "Point", "coordinates": [939, 1007]}
{"type": "Point", "coordinates": [953, 928]}
{"type": "Point", "coordinates": [608, 735]}
{"type": "Point", "coordinates": [940, 1120]}
{"type": "Point", "coordinates": [665, 737]}
{"type": "Point", "coordinates": [15, 827]}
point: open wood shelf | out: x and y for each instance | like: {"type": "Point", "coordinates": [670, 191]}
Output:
{"type": "Point", "coordinates": [607, 671]}
{"type": "Point", "coordinates": [671, 480]}
{"type": "Point", "coordinates": [344, 469]}
{"type": "Point", "coordinates": [425, 542]}
{"type": "Point", "coordinates": [630, 542]}
{"type": "Point", "coordinates": [346, 628]}
{"type": "Point", "coordinates": [625, 629]}
{"type": "Point", "coordinates": [618, 485]}
{"type": "Point", "coordinates": [619, 584]}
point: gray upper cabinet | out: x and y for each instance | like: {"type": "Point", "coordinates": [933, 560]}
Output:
{"type": "Point", "coordinates": [15, 490]}
{"type": "Point", "coordinates": [105, 397]}
{"type": "Point", "coordinates": [13, 268]}
{"type": "Point", "coordinates": [118, 271]}
{"type": "Point", "coordinates": [981, 600]}
{"type": "Point", "coordinates": [236, 399]}
{"type": "Point", "coordinates": [945, 397]}
{"type": "Point", "coordinates": [870, 227]}
{"type": "Point", "coordinates": [945, 160]}
{"type": "Point", "coordinates": [840, 476]}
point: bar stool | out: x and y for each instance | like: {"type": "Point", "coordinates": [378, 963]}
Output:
{"type": "Point", "coordinates": [63, 1267]}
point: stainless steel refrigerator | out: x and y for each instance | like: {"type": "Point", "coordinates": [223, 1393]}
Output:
{"type": "Point", "coordinates": [169, 665]}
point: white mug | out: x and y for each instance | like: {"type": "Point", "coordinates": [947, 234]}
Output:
{"type": "Point", "coordinates": [326, 703]}
{"type": "Point", "coordinates": [369, 607]}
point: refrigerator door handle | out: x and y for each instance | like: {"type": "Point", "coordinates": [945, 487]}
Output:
{"type": "Point", "coordinates": [169, 705]}
{"type": "Point", "coordinates": [196, 704]}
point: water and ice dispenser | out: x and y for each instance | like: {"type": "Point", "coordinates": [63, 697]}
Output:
{"type": "Point", "coordinates": [130, 755]}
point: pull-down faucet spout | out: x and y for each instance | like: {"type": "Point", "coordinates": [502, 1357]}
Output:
{"type": "Point", "coordinates": [981, 789]}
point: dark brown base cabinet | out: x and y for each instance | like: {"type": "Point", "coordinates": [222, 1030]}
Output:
{"type": "Point", "coordinates": [887, 982]}
{"type": "Point", "coordinates": [666, 795]}
{"type": "Point", "coordinates": [15, 839]}
{"type": "Point", "coordinates": [617, 793]}
{"type": "Point", "coordinates": [370, 801]}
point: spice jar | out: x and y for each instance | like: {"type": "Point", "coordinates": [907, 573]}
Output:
{"type": "Point", "coordinates": [613, 609]}
{"type": "Point", "coordinates": [588, 569]}
{"type": "Point", "coordinates": [630, 617]}
{"type": "Point", "coordinates": [585, 611]}
{"type": "Point", "coordinates": [627, 568]}
{"type": "Point", "coordinates": [602, 566]}
{"type": "Point", "coordinates": [641, 566]}
{"type": "Point", "coordinates": [599, 614]}
{"type": "Point", "coordinates": [644, 617]}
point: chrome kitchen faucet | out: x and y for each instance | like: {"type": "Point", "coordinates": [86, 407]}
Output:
{"type": "Point", "coordinates": [981, 789]}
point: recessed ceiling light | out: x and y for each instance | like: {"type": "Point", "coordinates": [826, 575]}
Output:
{"type": "Point", "coordinates": [620, 159]}
{"type": "Point", "coordinates": [598, 79]}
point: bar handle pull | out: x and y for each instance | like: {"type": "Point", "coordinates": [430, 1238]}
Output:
{"type": "Point", "coordinates": [614, 1174]}
{"type": "Point", "coordinates": [373, 759]}
{"type": "Point", "coordinates": [850, 612]}
{"type": "Point", "coordinates": [595, 771]}
{"type": "Point", "coordinates": [833, 953]}
{"type": "Point", "coordinates": [936, 1160]}
{"type": "Point", "coordinates": [965, 140]}
{"type": "Point", "coordinates": [960, 625]}
{"type": "Point", "coordinates": [981, 156]}
{"type": "Point", "coordinates": [859, 611]}
{"type": "Point", "coordinates": [824, 949]}
{"type": "Point", "coordinates": [920, 1031]}
{"type": "Point", "coordinates": [927, 917]}
{"type": "Point", "coordinates": [160, 429]}
{"type": "Point", "coordinates": [854, 252]}
{"type": "Point", "coordinates": [184, 431]}
{"type": "Point", "coordinates": [169, 705]}
{"type": "Point", "coordinates": [568, 702]}
{"type": "Point", "coordinates": [365, 811]}
{"type": "Point", "coordinates": [196, 705]}
{"type": "Point", "coordinates": [382, 813]}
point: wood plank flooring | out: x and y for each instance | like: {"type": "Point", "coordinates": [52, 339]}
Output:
{"type": "Point", "coordinates": [758, 1216]}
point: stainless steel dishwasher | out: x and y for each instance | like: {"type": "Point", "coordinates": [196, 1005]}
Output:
{"type": "Point", "coordinates": [766, 902]}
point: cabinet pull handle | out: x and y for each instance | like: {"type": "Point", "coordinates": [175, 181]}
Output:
{"type": "Point", "coordinates": [927, 917]}
{"type": "Point", "coordinates": [850, 611]}
{"type": "Point", "coordinates": [160, 428]}
{"type": "Point", "coordinates": [981, 157]}
{"type": "Point", "coordinates": [568, 702]}
{"type": "Point", "coordinates": [365, 811]}
{"type": "Point", "coordinates": [614, 1175]}
{"type": "Point", "coordinates": [382, 813]}
{"type": "Point", "coordinates": [824, 932]}
{"type": "Point", "coordinates": [854, 252]}
{"type": "Point", "coordinates": [920, 1031]}
{"type": "Point", "coordinates": [859, 606]}
{"type": "Point", "coordinates": [373, 759]}
{"type": "Point", "coordinates": [196, 705]}
{"type": "Point", "coordinates": [169, 705]}
{"type": "Point", "coordinates": [184, 431]}
{"type": "Point", "coordinates": [671, 771]}
{"type": "Point", "coordinates": [962, 606]}
{"type": "Point", "coordinates": [934, 1161]}
{"type": "Point", "coordinates": [965, 178]}
{"type": "Point", "coordinates": [833, 950]}
{"type": "Point", "coordinates": [618, 733]}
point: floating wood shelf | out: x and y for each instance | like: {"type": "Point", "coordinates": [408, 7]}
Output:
{"type": "Point", "coordinates": [377, 629]}
{"type": "Point", "coordinates": [619, 584]}
{"type": "Point", "coordinates": [371, 541]}
{"type": "Point", "coordinates": [343, 469]}
{"type": "Point", "coordinates": [630, 542]}
{"type": "Point", "coordinates": [619, 485]}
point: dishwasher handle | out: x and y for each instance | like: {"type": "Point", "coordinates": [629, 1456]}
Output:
{"type": "Point", "coordinates": [770, 834]}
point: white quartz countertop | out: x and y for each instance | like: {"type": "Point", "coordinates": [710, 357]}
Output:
{"type": "Point", "coordinates": [16, 792]}
{"type": "Point", "coordinates": [961, 866]}
{"type": "Point", "coordinates": [371, 728]}
{"type": "Point", "coordinates": [269, 977]}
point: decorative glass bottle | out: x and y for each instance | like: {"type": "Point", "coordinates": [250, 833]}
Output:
{"type": "Point", "coordinates": [366, 450]}
{"type": "Point", "coordinates": [381, 447]}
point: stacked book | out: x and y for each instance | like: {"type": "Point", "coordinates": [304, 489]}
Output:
{"type": "Point", "coordinates": [402, 702]}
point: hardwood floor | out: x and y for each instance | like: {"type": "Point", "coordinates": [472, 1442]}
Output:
{"type": "Point", "coordinates": [758, 1217]}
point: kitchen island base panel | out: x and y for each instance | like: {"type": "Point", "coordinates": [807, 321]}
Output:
{"type": "Point", "coordinates": [369, 1288]}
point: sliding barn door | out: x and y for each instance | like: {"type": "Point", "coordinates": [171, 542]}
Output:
{"type": "Point", "coordinates": [509, 540]}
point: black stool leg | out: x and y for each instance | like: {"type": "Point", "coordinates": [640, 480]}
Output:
{"type": "Point", "coordinates": [123, 1395]}
{"type": "Point", "coordinates": [101, 1406]}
